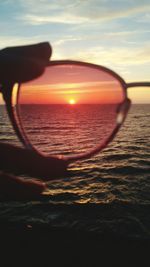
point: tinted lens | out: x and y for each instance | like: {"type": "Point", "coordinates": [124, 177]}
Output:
{"type": "Point", "coordinates": [71, 109]}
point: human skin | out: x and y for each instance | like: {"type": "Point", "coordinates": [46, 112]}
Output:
{"type": "Point", "coordinates": [21, 64]}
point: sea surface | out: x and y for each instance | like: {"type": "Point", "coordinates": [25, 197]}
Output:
{"type": "Point", "coordinates": [107, 193]}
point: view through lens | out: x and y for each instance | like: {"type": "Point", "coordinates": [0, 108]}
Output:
{"type": "Point", "coordinates": [70, 109]}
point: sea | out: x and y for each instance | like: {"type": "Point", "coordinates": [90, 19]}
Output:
{"type": "Point", "coordinates": [106, 193]}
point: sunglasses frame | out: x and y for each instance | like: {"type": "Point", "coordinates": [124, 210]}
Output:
{"type": "Point", "coordinates": [8, 89]}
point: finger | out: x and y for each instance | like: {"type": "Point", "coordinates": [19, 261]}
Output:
{"type": "Point", "coordinates": [24, 161]}
{"type": "Point", "coordinates": [21, 64]}
{"type": "Point", "coordinates": [16, 69]}
{"type": "Point", "coordinates": [41, 51]}
{"type": "Point", "coordinates": [17, 188]}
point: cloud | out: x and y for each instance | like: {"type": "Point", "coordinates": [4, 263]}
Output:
{"type": "Point", "coordinates": [144, 19]}
{"type": "Point", "coordinates": [121, 56]}
{"type": "Point", "coordinates": [68, 39]}
{"type": "Point", "coordinates": [62, 18]}
{"type": "Point", "coordinates": [79, 12]}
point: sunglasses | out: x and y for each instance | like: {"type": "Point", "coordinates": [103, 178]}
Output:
{"type": "Point", "coordinates": [71, 112]}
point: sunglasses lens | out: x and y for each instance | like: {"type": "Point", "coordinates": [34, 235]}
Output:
{"type": "Point", "coordinates": [70, 109]}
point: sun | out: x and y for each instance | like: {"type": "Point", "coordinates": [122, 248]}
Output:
{"type": "Point", "coordinates": [72, 101]}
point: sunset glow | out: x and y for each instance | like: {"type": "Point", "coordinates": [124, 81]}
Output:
{"type": "Point", "coordinates": [72, 102]}
{"type": "Point", "coordinates": [74, 84]}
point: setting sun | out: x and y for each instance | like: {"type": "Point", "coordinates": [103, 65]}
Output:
{"type": "Point", "coordinates": [72, 102]}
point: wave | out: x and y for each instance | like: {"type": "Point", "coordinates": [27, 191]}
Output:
{"type": "Point", "coordinates": [129, 170]}
{"type": "Point", "coordinates": [115, 157]}
{"type": "Point", "coordinates": [118, 218]}
{"type": "Point", "coordinates": [108, 192]}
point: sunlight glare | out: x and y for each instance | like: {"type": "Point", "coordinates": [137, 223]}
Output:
{"type": "Point", "coordinates": [72, 102]}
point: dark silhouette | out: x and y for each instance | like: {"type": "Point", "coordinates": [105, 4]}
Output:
{"type": "Point", "coordinates": [21, 64]}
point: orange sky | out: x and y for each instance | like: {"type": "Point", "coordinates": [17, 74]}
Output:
{"type": "Point", "coordinates": [81, 94]}
{"type": "Point", "coordinates": [60, 84]}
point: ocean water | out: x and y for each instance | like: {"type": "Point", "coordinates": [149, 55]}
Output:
{"type": "Point", "coordinates": [68, 129]}
{"type": "Point", "coordinates": [108, 193]}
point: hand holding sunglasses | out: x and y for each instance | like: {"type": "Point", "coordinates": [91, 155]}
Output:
{"type": "Point", "coordinates": [21, 64]}
{"type": "Point", "coordinates": [71, 112]}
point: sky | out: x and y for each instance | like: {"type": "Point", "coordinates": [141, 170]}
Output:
{"type": "Point", "coordinates": [75, 83]}
{"type": "Point", "coordinates": [113, 33]}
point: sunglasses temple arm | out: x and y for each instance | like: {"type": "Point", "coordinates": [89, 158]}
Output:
{"type": "Point", "coordinates": [138, 84]}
